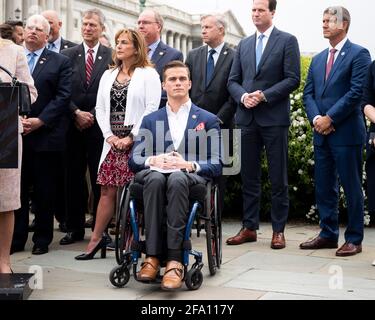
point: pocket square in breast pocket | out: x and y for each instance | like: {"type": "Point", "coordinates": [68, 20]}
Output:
{"type": "Point", "coordinates": [200, 127]}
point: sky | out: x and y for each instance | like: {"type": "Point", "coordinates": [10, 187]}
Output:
{"type": "Point", "coordinates": [299, 17]}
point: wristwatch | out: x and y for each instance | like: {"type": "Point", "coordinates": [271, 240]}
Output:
{"type": "Point", "coordinates": [194, 167]}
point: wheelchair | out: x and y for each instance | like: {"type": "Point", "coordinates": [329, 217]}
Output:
{"type": "Point", "coordinates": [204, 214]}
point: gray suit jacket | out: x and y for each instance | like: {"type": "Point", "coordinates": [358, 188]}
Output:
{"type": "Point", "coordinates": [278, 75]}
{"type": "Point", "coordinates": [214, 98]}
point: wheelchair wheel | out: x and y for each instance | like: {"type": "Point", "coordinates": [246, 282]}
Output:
{"type": "Point", "coordinates": [194, 279]}
{"type": "Point", "coordinates": [119, 276]}
{"type": "Point", "coordinates": [213, 230]}
{"type": "Point", "coordinates": [124, 232]}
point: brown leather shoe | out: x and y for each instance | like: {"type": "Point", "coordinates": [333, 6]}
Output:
{"type": "Point", "coordinates": [278, 240]}
{"type": "Point", "coordinates": [318, 243]}
{"type": "Point", "coordinates": [348, 249]}
{"type": "Point", "coordinates": [149, 269]}
{"type": "Point", "coordinates": [173, 275]}
{"type": "Point", "coordinates": [244, 235]}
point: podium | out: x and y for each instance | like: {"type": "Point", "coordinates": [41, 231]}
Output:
{"type": "Point", "coordinates": [15, 286]}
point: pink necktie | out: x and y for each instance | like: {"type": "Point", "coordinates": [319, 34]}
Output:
{"type": "Point", "coordinates": [331, 61]}
{"type": "Point", "coordinates": [89, 65]}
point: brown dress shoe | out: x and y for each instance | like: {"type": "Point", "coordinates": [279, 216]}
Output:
{"type": "Point", "coordinates": [244, 235]}
{"type": "Point", "coordinates": [318, 243]}
{"type": "Point", "coordinates": [278, 240]}
{"type": "Point", "coordinates": [173, 275]}
{"type": "Point", "coordinates": [348, 249]}
{"type": "Point", "coordinates": [149, 269]}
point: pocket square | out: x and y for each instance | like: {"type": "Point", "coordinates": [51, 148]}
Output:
{"type": "Point", "coordinates": [200, 127]}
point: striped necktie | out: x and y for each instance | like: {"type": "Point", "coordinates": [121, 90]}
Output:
{"type": "Point", "coordinates": [89, 65]}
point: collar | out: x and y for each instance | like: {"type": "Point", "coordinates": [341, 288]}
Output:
{"type": "Point", "coordinates": [184, 108]}
{"type": "Point", "coordinates": [86, 47]}
{"type": "Point", "coordinates": [340, 45]}
{"type": "Point", "coordinates": [266, 33]}
{"type": "Point", "coordinates": [154, 45]}
{"type": "Point", "coordinates": [217, 49]}
{"type": "Point", "coordinates": [57, 42]}
{"type": "Point", "coordinates": [37, 52]}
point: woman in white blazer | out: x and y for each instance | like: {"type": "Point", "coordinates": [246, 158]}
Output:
{"type": "Point", "coordinates": [127, 93]}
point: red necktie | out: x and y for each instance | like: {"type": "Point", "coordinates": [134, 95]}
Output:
{"type": "Point", "coordinates": [89, 65]}
{"type": "Point", "coordinates": [331, 61]}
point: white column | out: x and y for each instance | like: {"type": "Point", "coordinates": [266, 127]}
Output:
{"type": "Point", "coordinates": [190, 44]}
{"type": "Point", "coordinates": [50, 5]}
{"type": "Point", "coordinates": [69, 19]}
{"type": "Point", "coordinates": [184, 46]}
{"type": "Point", "coordinates": [58, 7]}
{"type": "Point", "coordinates": [170, 39]}
{"type": "Point", "coordinates": [164, 36]}
{"type": "Point", "coordinates": [177, 41]}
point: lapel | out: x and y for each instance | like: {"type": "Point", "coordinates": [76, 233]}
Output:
{"type": "Point", "coordinates": [98, 64]}
{"type": "Point", "coordinates": [167, 133]}
{"type": "Point", "coordinates": [203, 65]}
{"type": "Point", "coordinates": [81, 61]}
{"type": "Point", "coordinates": [159, 53]}
{"type": "Point", "coordinates": [219, 63]}
{"type": "Point", "coordinates": [274, 37]}
{"type": "Point", "coordinates": [191, 124]}
{"type": "Point", "coordinates": [41, 63]}
{"type": "Point", "coordinates": [251, 53]}
{"type": "Point", "coordinates": [336, 66]}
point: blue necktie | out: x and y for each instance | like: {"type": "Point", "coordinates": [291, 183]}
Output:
{"type": "Point", "coordinates": [210, 66]}
{"type": "Point", "coordinates": [259, 50]}
{"type": "Point", "coordinates": [31, 61]}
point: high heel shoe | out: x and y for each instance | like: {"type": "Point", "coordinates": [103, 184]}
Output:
{"type": "Point", "coordinates": [102, 245]}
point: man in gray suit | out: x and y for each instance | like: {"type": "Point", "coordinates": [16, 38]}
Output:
{"type": "Point", "coordinates": [265, 70]}
{"type": "Point", "coordinates": [209, 67]}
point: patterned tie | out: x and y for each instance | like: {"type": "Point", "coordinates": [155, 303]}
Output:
{"type": "Point", "coordinates": [89, 65]}
{"type": "Point", "coordinates": [331, 61]}
{"type": "Point", "coordinates": [210, 66]}
{"type": "Point", "coordinates": [259, 50]}
{"type": "Point", "coordinates": [51, 46]}
{"type": "Point", "coordinates": [31, 61]}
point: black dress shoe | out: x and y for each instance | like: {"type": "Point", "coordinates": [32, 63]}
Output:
{"type": "Point", "coordinates": [89, 256]}
{"type": "Point", "coordinates": [71, 237]}
{"type": "Point", "coordinates": [39, 250]}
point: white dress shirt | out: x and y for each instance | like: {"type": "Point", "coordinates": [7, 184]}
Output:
{"type": "Point", "coordinates": [216, 55]}
{"type": "Point", "coordinates": [266, 37]}
{"type": "Point", "coordinates": [96, 48]}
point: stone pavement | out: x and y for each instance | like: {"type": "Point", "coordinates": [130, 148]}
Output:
{"type": "Point", "coordinates": [250, 271]}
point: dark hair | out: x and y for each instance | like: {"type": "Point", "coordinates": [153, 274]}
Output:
{"type": "Point", "coordinates": [139, 44]}
{"type": "Point", "coordinates": [271, 5]}
{"type": "Point", "coordinates": [341, 13]}
{"type": "Point", "coordinates": [175, 64]}
{"type": "Point", "coordinates": [15, 23]}
{"type": "Point", "coordinates": [6, 31]}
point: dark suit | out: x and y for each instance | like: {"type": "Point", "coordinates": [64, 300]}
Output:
{"type": "Point", "coordinates": [214, 97]}
{"type": "Point", "coordinates": [339, 154]}
{"type": "Point", "coordinates": [84, 148]}
{"type": "Point", "coordinates": [43, 147]}
{"type": "Point", "coordinates": [175, 186]}
{"type": "Point", "coordinates": [162, 55]}
{"type": "Point", "coordinates": [267, 124]}
{"type": "Point", "coordinates": [369, 98]}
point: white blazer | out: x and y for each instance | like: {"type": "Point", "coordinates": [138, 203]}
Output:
{"type": "Point", "coordinates": [143, 97]}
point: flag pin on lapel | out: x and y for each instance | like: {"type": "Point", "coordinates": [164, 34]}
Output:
{"type": "Point", "coordinates": [225, 52]}
{"type": "Point", "coordinates": [194, 116]}
{"type": "Point", "coordinates": [343, 53]}
{"type": "Point", "coordinates": [100, 58]}
{"type": "Point", "coordinates": [79, 55]}
{"type": "Point", "coordinates": [161, 53]}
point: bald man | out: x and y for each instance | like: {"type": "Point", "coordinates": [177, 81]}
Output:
{"type": "Point", "coordinates": [55, 42]}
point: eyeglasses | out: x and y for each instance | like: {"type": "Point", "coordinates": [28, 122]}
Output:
{"type": "Point", "coordinates": [31, 28]}
{"type": "Point", "coordinates": [145, 22]}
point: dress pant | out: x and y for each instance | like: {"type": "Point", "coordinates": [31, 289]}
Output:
{"type": "Point", "coordinates": [344, 163]}
{"type": "Point", "coordinates": [166, 193]}
{"type": "Point", "coordinates": [39, 172]}
{"type": "Point", "coordinates": [274, 140]}
{"type": "Point", "coordinates": [83, 151]}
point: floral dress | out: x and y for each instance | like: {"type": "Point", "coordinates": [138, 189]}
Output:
{"type": "Point", "coordinates": [114, 170]}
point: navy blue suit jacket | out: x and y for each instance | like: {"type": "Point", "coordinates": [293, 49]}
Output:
{"type": "Point", "coordinates": [154, 136]}
{"type": "Point", "coordinates": [340, 96]}
{"type": "Point", "coordinates": [278, 75]}
{"type": "Point", "coordinates": [53, 80]}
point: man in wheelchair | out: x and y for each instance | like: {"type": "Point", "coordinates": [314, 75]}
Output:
{"type": "Point", "coordinates": [177, 147]}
